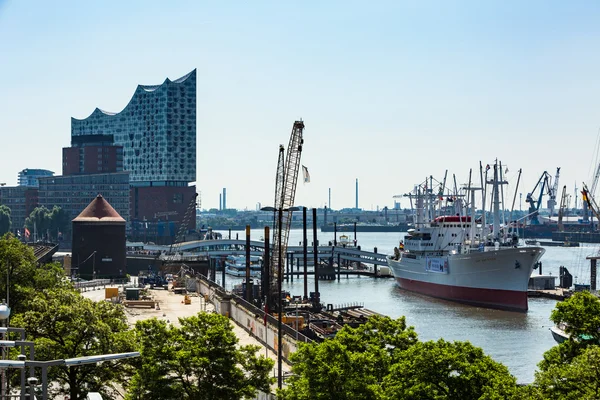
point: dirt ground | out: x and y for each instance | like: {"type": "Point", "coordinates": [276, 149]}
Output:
{"type": "Point", "coordinates": [171, 308]}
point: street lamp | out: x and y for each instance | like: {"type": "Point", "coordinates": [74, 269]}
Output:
{"type": "Point", "coordinates": [279, 297]}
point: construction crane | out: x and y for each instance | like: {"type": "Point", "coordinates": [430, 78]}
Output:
{"type": "Point", "coordinates": [588, 198]}
{"type": "Point", "coordinates": [553, 192]}
{"type": "Point", "coordinates": [561, 209]}
{"type": "Point", "coordinates": [534, 203]}
{"type": "Point", "coordinates": [285, 193]}
{"type": "Point", "coordinates": [190, 214]}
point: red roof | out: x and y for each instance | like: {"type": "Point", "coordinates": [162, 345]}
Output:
{"type": "Point", "coordinates": [99, 210]}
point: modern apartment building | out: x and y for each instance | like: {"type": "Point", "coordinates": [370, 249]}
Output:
{"type": "Point", "coordinates": [29, 176]}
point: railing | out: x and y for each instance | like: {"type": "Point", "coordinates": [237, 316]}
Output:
{"type": "Point", "coordinates": [92, 283]}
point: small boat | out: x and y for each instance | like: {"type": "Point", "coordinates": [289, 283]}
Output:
{"type": "Point", "coordinates": [345, 241]}
{"type": "Point", "coordinates": [559, 334]}
{"type": "Point", "coordinates": [532, 242]}
{"type": "Point", "coordinates": [236, 265]}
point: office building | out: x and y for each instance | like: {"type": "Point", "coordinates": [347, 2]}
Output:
{"type": "Point", "coordinates": [74, 192]}
{"type": "Point", "coordinates": [21, 200]}
{"type": "Point", "coordinates": [92, 154]}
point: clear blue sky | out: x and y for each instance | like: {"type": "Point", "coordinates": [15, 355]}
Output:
{"type": "Point", "coordinates": [390, 91]}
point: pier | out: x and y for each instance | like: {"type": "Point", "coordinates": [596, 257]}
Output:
{"type": "Point", "coordinates": [226, 247]}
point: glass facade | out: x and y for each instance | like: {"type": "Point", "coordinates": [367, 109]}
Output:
{"type": "Point", "coordinates": [157, 131]}
{"type": "Point", "coordinates": [29, 177]}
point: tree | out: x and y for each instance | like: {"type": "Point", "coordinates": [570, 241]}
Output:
{"type": "Point", "coordinates": [38, 220]}
{"type": "Point", "coordinates": [581, 315]}
{"type": "Point", "coordinates": [578, 379]}
{"type": "Point", "coordinates": [25, 277]}
{"type": "Point", "coordinates": [60, 221]}
{"type": "Point", "coordinates": [199, 360]}
{"type": "Point", "coordinates": [5, 221]}
{"type": "Point", "coordinates": [63, 324]}
{"type": "Point", "coordinates": [352, 365]}
{"type": "Point", "coordinates": [445, 370]}
{"type": "Point", "coordinates": [382, 359]}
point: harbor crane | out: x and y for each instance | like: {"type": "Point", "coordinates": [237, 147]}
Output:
{"type": "Point", "coordinates": [534, 203]}
{"type": "Point", "coordinates": [285, 192]}
{"type": "Point", "coordinates": [561, 209]}
{"type": "Point", "coordinates": [553, 192]}
{"type": "Point", "coordinates": [588, 198]}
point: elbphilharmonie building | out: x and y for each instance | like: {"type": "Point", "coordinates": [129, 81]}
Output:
{"type": "Point", "coordinates": [157, 131]}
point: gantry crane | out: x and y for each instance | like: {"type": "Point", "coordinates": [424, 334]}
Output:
{"type": "Point", "coordinates": [285, 192]}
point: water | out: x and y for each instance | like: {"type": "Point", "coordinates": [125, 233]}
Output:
{"type": "Point", "coordinates": [518, 340]}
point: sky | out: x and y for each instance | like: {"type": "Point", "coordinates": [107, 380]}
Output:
{"type": "Point", "coordinates": [390, 92]}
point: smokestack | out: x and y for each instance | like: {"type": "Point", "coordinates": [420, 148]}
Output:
{"type": "Point", "coordinates": [224, 198]}
{"type": "Point", "coordinates": [220, 202]}
{"type": "Point", "coordinates": [329, 203]}
{"type": "Point", "coordinates": [356, 203]}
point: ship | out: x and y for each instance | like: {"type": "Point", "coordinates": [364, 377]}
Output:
{"type": "Point", "coordinates": [452, 257]}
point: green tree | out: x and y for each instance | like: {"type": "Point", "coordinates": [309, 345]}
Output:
{"type": "Point", "coordinates": [448, 370]}
{"type": "Point", "coordinates": [5, 221]}
{"type": "Point", "coordinates": [352, 365]}
{"type": "Point", "coordinates": [577, 379]}
{"type": "Point", "coordinates": [63, 324]}
{"type": "Point", "coordinates": [581, 314]}
{"type": "Point", "coordinates": [60, 221]}
{"type": "Point", "coordinates": [199, 360]}
{"type": "Point", "coordinates": [38, 221]}
{"type": "Point", "coordinates": [25, 277]}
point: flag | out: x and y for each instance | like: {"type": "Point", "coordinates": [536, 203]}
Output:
{"type": "Point", "coordinates": [506, 171]}
{"type": "Point", "coordinates": [27, 233]}
{"type": "Point", "coordinates": [584, 196]}
{"type": "Point", "coordinates": [305, 174]}
{"type": "Point", "coordinates": [487, 167]}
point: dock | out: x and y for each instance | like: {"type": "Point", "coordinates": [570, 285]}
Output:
{"type": "Point", "coordinates": [555, 294]}
{"type": "Point", "coordinates": [552, 243]}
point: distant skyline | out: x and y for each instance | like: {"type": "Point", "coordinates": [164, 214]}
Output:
{"type": "Point", "coordinates": [390, 91]}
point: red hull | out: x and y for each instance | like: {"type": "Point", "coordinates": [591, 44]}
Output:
{"type": "Point", "coordinates": [491, 298]}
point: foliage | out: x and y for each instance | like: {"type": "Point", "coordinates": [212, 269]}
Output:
{"type": "Point", "coordinates": [352, 365]}
{"type": "Point", "coordinates": [382, 359]}
{"type": "Point", "coordinates": [5, 221]}
{"type": "Point", "coordinates": [581, 314]}
{"type": "Point", "coordinates": [24, 276]}
{"type": "Point", "coordinates": [48, 222]}
{"type": "Point", "coordinates": [199, 360]}
{"type": "Point", "coordinates": [578, 379]}
{"type": "Point", "coordinates": [445, 370]}
{"type": "Point", "coordinates": [63, 324]}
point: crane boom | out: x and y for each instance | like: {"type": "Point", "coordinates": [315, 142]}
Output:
{"type": "Point", "coordinates": [562, 208]}
{"type": "Point", "coordinates": [553, 192]}
{"type": "Point", "coordinates": [285, 193]}
{"type": "Point", "coordinates": [534, 204]}
{"type": "Point", "coordinates": [586, 196]}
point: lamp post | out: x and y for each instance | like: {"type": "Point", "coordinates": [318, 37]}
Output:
{"type": "Point", "coordinates": [279, 296]}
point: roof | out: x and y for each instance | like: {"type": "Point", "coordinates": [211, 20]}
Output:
{"type": "Point", "coordinates": [99, 210]}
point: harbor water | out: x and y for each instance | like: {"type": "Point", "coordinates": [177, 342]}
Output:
{"type": "Point", "coordinates": [518, 340]}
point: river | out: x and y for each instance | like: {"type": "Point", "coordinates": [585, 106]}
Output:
{"type": "Point", "coordinates": [518, 340]}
